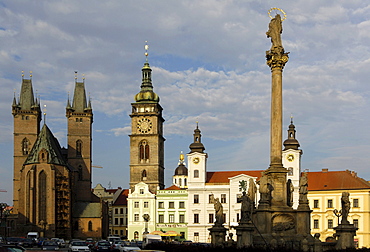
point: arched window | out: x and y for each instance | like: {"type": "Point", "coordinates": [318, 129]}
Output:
{"type": "Point", "coordinates": [143, 175]}
{"type": "Point", "coordinates": [144, 151]}
{"type": "Point", "coordinates": [180, 182]}
{"type": "Point", "coordinates": [25, 146]}
{"type": "Point", "coordinates": [42, 197]}
{"type": "Point", "coordinates": [136, 235]}
{"type": "Point", "coordinates": [185, 182]}
{"type": "Point", "coordinates": [78, 148]}
{"type": "Point", "coordinates": [43, 156]}
{"type": "Point", "coordinates": [90, 227]}
{"type": "Point", "coordinates": [196, 173]}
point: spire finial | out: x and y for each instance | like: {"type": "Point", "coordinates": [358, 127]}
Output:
{"type": "Point", "coordinates": [45, 113]}
{"type": "Point", "coordinates": [291, 118]}
{"type": "Point", "coordinates": [30, 74]}
{"type": "Point", "coordinates": [197, 124]}
{"type": "Point", "coordinates": [22, 74]}
{"type": "Point", "coordinates": [182, 158]}
{"type": "Point", "coordinates": [75, 76]}
{"type": "Point", "coordinates": [146, 47]}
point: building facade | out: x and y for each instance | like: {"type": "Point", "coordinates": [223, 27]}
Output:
{"type": "Point", "coordinates": [52, 185]}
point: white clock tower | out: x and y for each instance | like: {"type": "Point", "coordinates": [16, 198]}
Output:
{"type": "Point", "coordinates": [292, 161]}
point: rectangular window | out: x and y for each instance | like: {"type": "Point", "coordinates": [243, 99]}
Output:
{"type": "Point", "coordinates": [171, 218]}
{"type": "Point", "coordinates": [136, 217]}
{"type": "Point", "coordinates": [196, 218]}
{"type": "Point", "coordinates": [181, 204]}
{"type": "Point", "coordinates": [136, 204]}
{"type": "Point", "coordinates": [121, 221]}
{"type": "Point", "coordinates": [115, 221]}
{"type": "Point", "coordinates": [315, 224]}
{"type": "Point", "coordinates": [146, 204]}
{"type": "Point", "coordinates": [161, 218]}
{"type": "Point", "coordinates": [196, 237]}
{"type": "Point", "coordinates": [196, 198]}
{"type": "Point", "coordinates": [355, 203]}
{"type": "Point", "coordinates": [330, 224]}
{"type": "Point", "coordinates": [171, 204]}
{"type": "Point", "coordinates": [316, 203]}
{"type": "Point", "coordinates": [237, 217]}
{"type": "Point", "coordinates": [224, 220]}
{"type": "Point", "coordinates": [210, 218]}
{"type": "Point", "coordinates": [330, 203]}
{"type": "Point", "coordinates": [141, 191]}
{"type": "Point", "coordinates": [355, 223]}
{"type": "Point", "coordinates": [182, 218]}
{"type": "Point", "coordinates": [161, 204]}
{"type": "Point", "coordinates": [121, 210]}
{"type": "Point", "coordinates": [116, 211]}
{"type": "Point", "coordinates": [223, 198]}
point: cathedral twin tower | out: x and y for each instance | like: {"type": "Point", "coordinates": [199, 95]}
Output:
{"type": "Point", "coordinates": [52, 185]}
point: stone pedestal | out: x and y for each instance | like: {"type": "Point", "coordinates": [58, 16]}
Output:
{"type": "Point", "coordinates": [244, 233]}
{"type": "Point", "coordinates": [345, 234]}
{"type": "Point", "coordinates": [218, 235]}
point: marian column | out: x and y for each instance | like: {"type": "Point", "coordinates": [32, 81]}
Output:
{"type": "Point", "coordinates": [276, 59]}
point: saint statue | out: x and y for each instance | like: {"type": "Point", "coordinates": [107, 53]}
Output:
{"type": "Point", "coordinates": [252, 189]}
{"type": "Point", "coordinates": [290, 189]}
{"type": "Point", "coordinates": [219, 212]}
{"type": "Point", "coordinates": [274, 32]}
{"type": "Point", "coordinates": [246, 209]}
{"type": "Point", "coordinates": [303, 188]}
{"type": "Point", "coordinates": [346, 205]}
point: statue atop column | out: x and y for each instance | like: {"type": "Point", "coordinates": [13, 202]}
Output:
{"type": "Point", "coordinates": [346, 205]}
{"type": "Point", "coordinates": [276, 56]}
{"type": "Point", "coordinates": [303, 189]}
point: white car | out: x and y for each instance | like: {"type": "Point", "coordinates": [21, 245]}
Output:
{"type": "Point", "coordinates": [123, 246]}
{"type": "Point", "coordinates": [79, 246]}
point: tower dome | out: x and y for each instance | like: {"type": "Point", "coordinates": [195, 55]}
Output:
{"type": "Point", "coordinates": [291, 142]}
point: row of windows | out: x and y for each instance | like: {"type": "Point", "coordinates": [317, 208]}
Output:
{"type": "Point", "coordinates": [330, 203]}
{"type": "Point", "coordinates": [120, 221]}
{"type": "Point", "coordinates": [121, 210]}
{"type": "Point", "coordinates": [211, 218]}
{"type": "Point", "coordinates": [171, 218]}
{"type": "Point", "coordinates": [316, 224]}
{"type": "Point", "coordinates": [171, 204]}
{"type": "Point", "coordinates": [136, 204]}
{"type": "Point", "coordinates": [210, 198]}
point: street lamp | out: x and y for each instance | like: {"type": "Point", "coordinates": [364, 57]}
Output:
{"type": "Point", "coordinates": [3, 215]}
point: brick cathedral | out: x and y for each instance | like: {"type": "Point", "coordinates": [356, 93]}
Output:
{"type": "Point", "coordinates": [52, 184]}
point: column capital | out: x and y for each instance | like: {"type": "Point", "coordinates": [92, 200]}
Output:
{"type": "Point", "coordinates": [276, 58]}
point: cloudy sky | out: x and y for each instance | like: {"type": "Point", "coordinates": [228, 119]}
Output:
{"type": "Point", "coordinates": [208, 62]}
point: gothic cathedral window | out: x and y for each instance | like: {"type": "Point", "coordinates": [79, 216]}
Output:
{"type": "Point", "coordinates": [143, 175]}
{"type": "Point", "coordinates": [42, 196]}
{"type": "Point", "coordinates": [25, 146]}
{"type": "Point", "coordinates": [144, 151]}
{"type": "Point", "coordinates": [78, 148]}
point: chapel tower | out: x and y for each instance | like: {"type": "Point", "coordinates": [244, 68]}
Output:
{"type": "Point", "coordinates": [27, 116]}
{"type": "Point", "coordinates": [146, 139]}
{"type": "Point", "coordinates": [80, 119]}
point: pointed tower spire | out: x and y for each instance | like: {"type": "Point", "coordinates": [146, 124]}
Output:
{"type": "Point", "coordinates": [146, 94]}
{"type": "Point", "coordinates": [197, 145]}
{"type": "Point", "coordinates": [68, 103]}
{"type": "Point", "coordinates": [291, 142]}
{"type": "Point", "coordinates": [79, 103]}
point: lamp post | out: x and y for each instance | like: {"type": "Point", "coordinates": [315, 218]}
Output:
{"type": "Point", "coordinates": [3, 215]}
{"type": "Point", "coordinates": [146, 218]}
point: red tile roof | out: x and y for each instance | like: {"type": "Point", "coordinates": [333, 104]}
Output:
{"type": "Point", "coordinates": [335, 180]}
{"type": "Point", "coordinates": [173, 187]}
{"type": "Point", "coordinates": [222, 177]}
{"type": "Point", "coordinates": [122, 198]}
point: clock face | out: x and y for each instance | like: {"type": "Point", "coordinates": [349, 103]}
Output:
{"type": "Point", "coordinates": [144, 125]}
{"type": "Point", "coordinates": [195, 160]}
{"type": "Point", "coordinates": [290, 157]}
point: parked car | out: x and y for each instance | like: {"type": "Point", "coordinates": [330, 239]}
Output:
{"type": "Point", "coordinates": [11, 248]}
{"type": "Point", "coordinates": [61, 242]}
{"type": "Point", "coordinates": [126, 246]}
{"type": "Point", "coordinates": [103, 246]}
{"type": "Point", "coordinates": [79, 246]}
{"type": "Point", "coordinates": [90, 241]}
{"type": "Point", "coordinates": [26, 242]}
{"type": "Point", "coordinates": [49, 245]}
{"type": "Point", "coordinates": [13, 240]}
